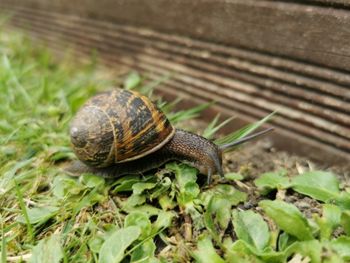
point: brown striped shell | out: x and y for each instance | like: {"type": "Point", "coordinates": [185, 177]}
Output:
{"type": "Point", "coordinates": [118, 126]}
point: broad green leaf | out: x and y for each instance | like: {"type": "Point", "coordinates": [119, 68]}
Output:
{"type": "Point", "coordinates": [138, 188]}
{"type": "Point", "coordinates": [332, 214]}
{"type": "Point", "coordinates": [329, 220]}
{"type": "Point", "coordinates": [251, 228]}
{"type": "Point", "coordinates": [343, 200]}
{"type": "Point", "coordinates": [186, 177]}
{"type": "Point", "coordinates": [144, 252]}
{"type": "Point", "coordinates": [7, 178]}
{"type": "Point", "coordinates": [223, 191]}
{"type": "Point", "coordinates": [113, 249]}
{"type": "Point", "coordinates": [332, 258]}
{"type": "Point", "coordinates": [132, 81]}
{"type": "Point", "coordinates": [141, 220]}
{"type": "Point", "coordinates": [184, 174]}
{"type": "Point", "coordinates": [288, 218]}
{"type": "Point", "coordinates": [317, 184]}
{"type": "Point", "coordinates": [345, 221]}
{"type": "Point", "coordinates": [163, 221]}
{"type": "Point", "coordinates": [149, 210]}
{"type": "Point", "coordinates": [89, 200]}
{"type": "Point", "coordinates": [125, 183]}
{"type": "Point", "coordinates": [64, 186]}
{"type": "Point", "coordinates": [210, 224]}
{"type": "Point", "coordinates": [39, 215]}
{"type": "Point", "coordinates": [95, 243]}
{"type": "Point", "coordinates": [241, 251]}
{"type": "Point", "coordinates": [133, 201]}
{"type": "Point", "coordinates": [342, 246]}
{"type": "Point", "coordinates": [196, 215]}
{"type": "Point", "coordinates": [92, 181]}
{"type": "Point", "coordinates": [205, 252]}
{"type": "Point", "coordinates": [311, 249]}
{"type": "Point", "coordinates": [221, 208]}
{"type": "Point", "coordinates": [162, 188]}
{"type": "Point", "coordinates": [285, 240]}
{"type": "Point", "coordinates": [166, 202]}
{"type": "Point", "coordinates": [219, 201]}
{"type": "Point", "coordinates": [269, 181]}
{"type": "Point", "coordinates": [48, 250]}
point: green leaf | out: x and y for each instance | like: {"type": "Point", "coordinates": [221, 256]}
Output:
{"type": "Point", "coordinates": [39, 215]}
{"type": "Point", "coordinates": [163, 221]}
{"type": "Point", "coordinates": [311, 249]}
{"type": "Point", "coordinates": [221, 208]}
{"type": "Point", "coordinates": [133, 201]}
{"type": "Point", "coordinates": [317, 184]}
{"type": "Point", "coordinates": [345, 221]}
{"type": "Point", "coordinates": [342, 246]}
{"type": "Point", "coordinates": [329, 220]}
{"type": "Point", "coordinates": [166, 202]}
{"type": "Point", "coordinates": [89, 199]}
{"type": "Point", "coordinates": [92, 181]}
{"type": "Point", "coordinates": [184, 174]}
{"type": "Point", "coordinates": [163, 187]}
{"type": "Point", "coordinates": [113, 249]}
{"type": "Point", "coordinates": [141, 220]}
{"type": "Point", "coordinates": [218, 202]}
{"type": "Point", "coordinates": [269, 181]}
{"type": "Point", "coordinates": [224, 191]}
{"type": "Point", "coordinates": [66, 186]}
{"type": "Point", "coordinates": [205, 252]}
{"type": "Point", "coordinates": [95, 243]}
{"type": "Point", "coordinates": [285, 240]}
{"type": "Point", "coordinates": [144, 252]}
{"type": "Point", "coordinates": [343, 200]}
{"type": "Point", "coordinates": [48, 250]}
{"type": "Point", "coordinates": [332, 213]}
{"type": "Point", "coordinates": [186, 177]}
{"type": "Point", "coordinates": [132, 81]}
{"type": "Point", "coordinates": [138, 188]}
{"type": "Point", "coordinates": [251, 228]}
{"type": "Point", "coordinates": [147, 209]}
{"type": "Point", "coordinates": [241, 251]}
{"type": "Point", "coordinates": [288, 218]}
{"type": "Point", "coordinates": [125, 183]}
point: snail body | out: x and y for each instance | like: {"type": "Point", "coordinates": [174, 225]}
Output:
{"type": "Point", "coordinates": [123, 132]}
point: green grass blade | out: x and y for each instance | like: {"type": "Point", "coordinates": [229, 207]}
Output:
{"type": "Point", "coordinates": [179, 116]}
{"type": "Point", "coordinates": [244, 131]}
{"type": "Point", "coordinates": [24, 211]}
{"type": "Point", "coordinates": [213, 127]}
{"type": "Point", "coordinates": [3, 243]}
{"type": "Point", "coordinates": [8, 67]}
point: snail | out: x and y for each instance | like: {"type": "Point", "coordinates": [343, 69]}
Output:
{"type": "Point", "coordinates": [122, 132]}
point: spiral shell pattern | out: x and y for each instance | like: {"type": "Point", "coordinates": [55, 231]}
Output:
{"type": "Point", "coordinates": [118, 126]}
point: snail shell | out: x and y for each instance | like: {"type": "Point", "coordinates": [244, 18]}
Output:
{"type": "Point", "coordinates": [118, 126]}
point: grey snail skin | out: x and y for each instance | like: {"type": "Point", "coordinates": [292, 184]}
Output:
{"type": "Point", "coordinates": [123, 132]}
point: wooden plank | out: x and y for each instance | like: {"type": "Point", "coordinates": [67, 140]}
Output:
{"type": "Point", "coordinates": [298, 31]}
